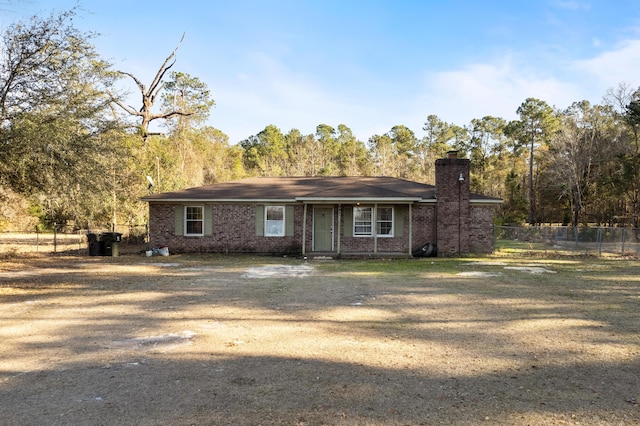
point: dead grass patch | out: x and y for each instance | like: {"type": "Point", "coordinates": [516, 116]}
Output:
{"type": "Point", "coordinates": [202, 340]}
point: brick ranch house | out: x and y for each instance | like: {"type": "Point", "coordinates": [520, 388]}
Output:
{"type": "Point", "coordinates": [328, 216]}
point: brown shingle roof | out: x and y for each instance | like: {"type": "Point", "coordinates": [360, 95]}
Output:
{"type": "Point", "coordinates": [305, 188]}
{"type": "Point", "coordinates": [293, 188]}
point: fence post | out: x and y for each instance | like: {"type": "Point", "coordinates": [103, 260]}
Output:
{"type": "Point", "coordinates": [599, 241]}
{"type": "Point", "coordinates": [624, 231]}
{"type": "Point", "coordinates": [55, 237]}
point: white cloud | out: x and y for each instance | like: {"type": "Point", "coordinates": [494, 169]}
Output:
{"type": "Point", "coordinates": [572, 5]}
{"type": "Point", "coordinates": [612, 67]}
{"type": "Point", "coordinates": [269, 92]}
{"type": "Point", "coordinates": [272, 93]}
{"type": "Point", "coordinates": [495, 89]}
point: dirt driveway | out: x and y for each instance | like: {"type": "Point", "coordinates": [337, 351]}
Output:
{"type": "Point", "coordinates": [263, 341]}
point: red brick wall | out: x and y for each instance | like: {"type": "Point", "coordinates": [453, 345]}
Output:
{"type": "Point", "coordinates": [396, 244]}
{"type": "Point", "coordinates": [424, 225]}
{"type": "Point", "coordinates": [453, 213]}
{"type": "Point", "coordinates": [367, 244]}
{"type": "Point", "coordinates": [462, 227]}
{"type": "Point", "coordinates": [481, 229]}
{"type": "Point", "coordinates": [161, 224]}
{"type": "Point", "coordinates": [234, 231]}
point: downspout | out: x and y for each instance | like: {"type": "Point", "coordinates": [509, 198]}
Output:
{"type": "Point", "coordinates": [410, 229]}
{"type": "Point", "coordinates": [460, 214]}
{"type": "Point", "coordinates": [304, 230]}
{"type": "Point", "coordinates": [435, 219]}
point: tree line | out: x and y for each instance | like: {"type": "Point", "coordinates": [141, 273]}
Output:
{"type": "Point", "coordinates": [74, 152]}
{"type": "Point", "coordinates": [572, 166]}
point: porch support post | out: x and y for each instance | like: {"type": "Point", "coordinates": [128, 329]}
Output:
{"type": "Point", "coordinates": [374, 225]}
{"type": "Point", "coordinates": [339, 228]}
{"type": "Point", "coordinates": [304, 230]}
{"type": "Point", "coordinates": [410, 229]}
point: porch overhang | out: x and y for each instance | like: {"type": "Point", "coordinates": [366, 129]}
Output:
{"type": "Point", "coordinates": [339, 201]}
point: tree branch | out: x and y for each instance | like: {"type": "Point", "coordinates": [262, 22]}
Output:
{"type": "Point", "coordinates": [129, 109]}
{"type": "Point", "coordinates": [155, 84]}
{"type": "Point", "coordinates": [149, 95]}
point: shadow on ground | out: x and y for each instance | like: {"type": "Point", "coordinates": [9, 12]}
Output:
{"type": "Point", "coordinates": [184, 341]}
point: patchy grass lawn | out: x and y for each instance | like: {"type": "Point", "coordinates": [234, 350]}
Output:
{"type": "Point", "coordinates": [204, 339]}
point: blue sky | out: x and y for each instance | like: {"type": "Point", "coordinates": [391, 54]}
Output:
{"type": "Point", "coordinates": [371, 64]}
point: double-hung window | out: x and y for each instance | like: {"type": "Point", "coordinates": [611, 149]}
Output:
{"type": "Point", "coordinates": [364, 222]}
{"type": "Point", "coordinates": [384, 221]}
{"type": "Point", "coordinates": [362, 225]}
{"type": "Point", "coordinates": [194, 220]}
{"type": "Point", "coordinates": [274, 221]}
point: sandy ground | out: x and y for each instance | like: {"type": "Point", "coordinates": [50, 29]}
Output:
{"type": "Point", "coordinates": [258, 341]}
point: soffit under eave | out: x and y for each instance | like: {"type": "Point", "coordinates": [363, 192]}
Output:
{"type": "Point", "coordinates": [352, 200]}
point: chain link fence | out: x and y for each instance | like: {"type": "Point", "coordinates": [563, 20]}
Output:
{"type": "Point", "coordinates": [573, 240]}
{"type": "Point", "coordinates": [578, 240]}
{"type": "Point", "coordinates": [61, 240]}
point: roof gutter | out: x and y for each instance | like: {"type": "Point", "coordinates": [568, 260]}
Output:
{"type": "Point", "coordinates": [359, 199]}
{"type": "Point", "coordinates": [317, 200]}
{"type": "Point", "coordinates": [217, 200]}
{"type": "Point", "coordinates": [491, 201]}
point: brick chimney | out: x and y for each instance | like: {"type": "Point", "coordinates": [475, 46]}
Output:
{"type": "Point", "coordinates": [452, 205]}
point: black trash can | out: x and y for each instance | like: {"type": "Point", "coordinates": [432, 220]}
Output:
{"type": "Point", "coordinates": [111, 242]}
{"type": "Point", "coordinates": [94, 245]}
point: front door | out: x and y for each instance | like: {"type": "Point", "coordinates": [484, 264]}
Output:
{"type": "Point", "coordinates": [323, 229]}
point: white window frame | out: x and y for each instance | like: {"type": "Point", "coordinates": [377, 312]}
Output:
{"type": "Point", "coordinates": [380, 221]}
{"type": "Point", "coordinates": [373, 225]}
{"type": "Point", "coordinates": [271, 227]}
{"type": "Point", "coordinates": [187, 220]}
{"type": "Point", "coordinates": [362, 223]}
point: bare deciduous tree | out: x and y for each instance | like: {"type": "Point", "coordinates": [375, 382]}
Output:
{"type": "Point", "coordinates": [150, 96]}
